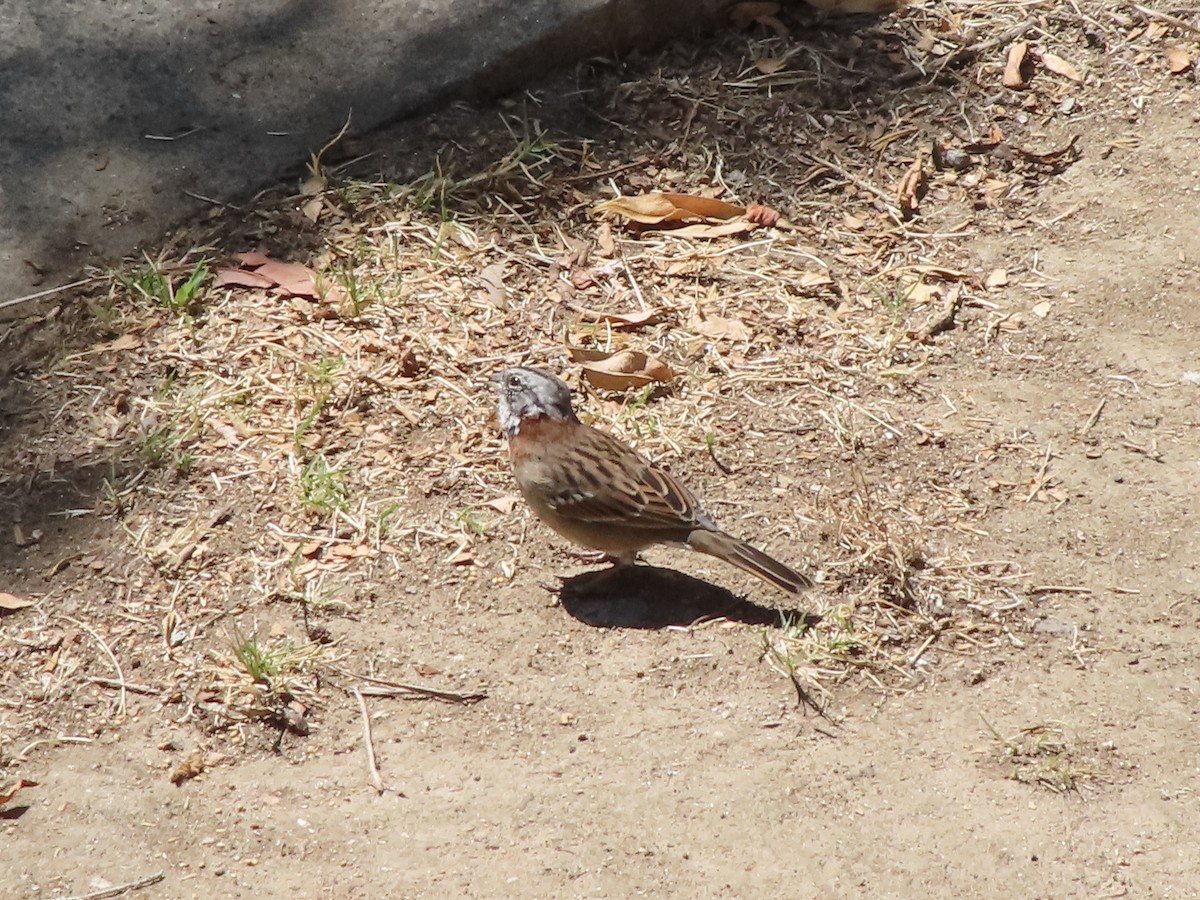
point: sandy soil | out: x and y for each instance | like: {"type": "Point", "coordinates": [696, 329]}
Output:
{"type": "Point", "coordinates": [636, 751]}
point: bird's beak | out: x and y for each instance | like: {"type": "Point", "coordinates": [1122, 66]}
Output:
{"type": "Point", "coordinates": [496, 378]}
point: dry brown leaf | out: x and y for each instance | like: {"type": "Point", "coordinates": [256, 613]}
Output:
{"type": "Point", "coordinates": [1017, 65]}
{"type": "Point", "coordinates": [1060, 66]}
{"type": "Point", "coordinates": [718, 328]}
{"type": "Point", "coordinates": [654, 209]}
{"type": "Point", "coordinates": [761, 214]}
{"type": "Point", "coordinates": [912, 188]}
{"type": "Point", "coordinates": [621, 370]}
{"type": "Point", "coordinates": [620, 320]}
{"type": "Point", "coordinates": [293, 279]}
{"type": "Point", "coordinates": [769, 65]}
{"type": "Point", "coordinates": [1178, 60]}
{"type": "Point", "coordinates": [9, 790]}
{"type": "Point", "coordinates": [703, 230]}
{"type": "Point", "coordinates": [124, 342]}
{"type": "Point", "coordinates": [505, 504]}
{"type": "Point", "coordinates": [814, 278]}
{"type": "Point", "coordinates": [605, 241]}
{"type": "Point", "coordinates": [189, 767]}
{"type": "Point", "coordinates": [311, 210]}
{"type": "Point", "coordinates": [11, 602]}
{"type": "Point", "coordinates": [241, 278]}
{"type": "Point", "coordinates": [252, 259]}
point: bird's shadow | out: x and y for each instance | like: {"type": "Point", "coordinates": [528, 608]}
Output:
{"type": "Point", "coordinates": [644, 596]}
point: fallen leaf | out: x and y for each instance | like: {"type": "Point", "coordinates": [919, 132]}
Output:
{"type": "Point", "coordinates": [292, 278]}
{"type": "Point", "coordinates": [313, 185]}
{"type": "Point", "coordinates": [1178, 60]}
{"type": "Point", "coordinates": [11, 602]}
{"type": "Point", "coordinates": [718, 328]}
{"type": "Point", "coordinates": [814, 278]}
{"type": "Point", "coordinates": [124, 342]}
{"type": "Point", "coordinates": [241, 278]}
{"type": "Point", "coordinates": [769, 65]}
{"type": "Point", "coordinates": [605, 241]}
{"type": "Point", "coordinates": [1017, 65]}
{"type": "Point", "coordinates": [462, 556]}
{"type": "Point", "coordinates": [912, 188]}
{"type": "Point", "coordinates": [505, 504]}
{"type": "Point", "coordinates": [654, 209]}
{"type": "Point", "coordinates": [253, 259]}
{"type": "Point", "coordinates": [997, 278]}
{"type": "Point", "coordinates": [760, 214]}
{"type": "Point", "coordinates": [620, 320]}
{"type": "Point", "coordinates": [1060, 66]}
{"type": "Point", "coordinates": [8, 791]}
{"type": "Point", "coordinates": [621, 370]}
{"type": "Point", "coordinates": [492, 278]}
{"type": "Point", "coordinates": [1041, 310]}
{"type": "Point", "coordinates": [189, 767]}
{"type": "Point", "coordinates": [704, 230]}
{"type": "Point", "coordinates": [311, 210]}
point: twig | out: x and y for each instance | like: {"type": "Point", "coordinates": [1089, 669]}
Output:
{"type": "Point", "coordinates": [111, 657]}
{"type": "Point", "coordinates": [966, 54]}
{"type": "Point", "coordinates": [397, 689]}
{"type": "Point", "coordinates": [118, 890]}
{"type": "Point", "coordinates": [637, 291]}
{"type": "Point", "coordinates": [1093, 418]}
{"type": "Point", "coordinates": [204, 199]}
{"type": "Point", "coordinates": [373, 769]}
{"type": "Point", "coordinates": [1059, 589]}
{"type": "Point", "coordinates": [1040, 481]}
{"type": "Point", "coordinates": [1163, 17]}
{"type": "Point", "coordinates": [855, 180]}
{"type": "Point", "coordinates": [54, 290]}
{"type": "Point", "coordinates": [134, 688]}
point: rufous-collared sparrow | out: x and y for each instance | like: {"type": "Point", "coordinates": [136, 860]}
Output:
{"type": "Point", "coordinates": [596, 491]}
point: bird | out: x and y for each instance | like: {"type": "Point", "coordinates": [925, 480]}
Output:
{"type": "Point", "coordinates": [600, 493]}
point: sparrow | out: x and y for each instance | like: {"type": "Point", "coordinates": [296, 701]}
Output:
{"type": "Point", "coordinates": [602, 494]}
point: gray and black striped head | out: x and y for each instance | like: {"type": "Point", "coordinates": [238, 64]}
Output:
{"type": "Point", "coordinates": [527, 393]}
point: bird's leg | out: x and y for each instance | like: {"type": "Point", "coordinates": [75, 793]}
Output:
{"type": "Point", "coordinates": [595, 557]}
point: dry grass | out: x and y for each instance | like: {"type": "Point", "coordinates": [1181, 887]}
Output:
{"type": "Point", "coordinates": [259, 450]}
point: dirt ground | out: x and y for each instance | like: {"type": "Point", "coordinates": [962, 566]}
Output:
{"type": "Point", "coordinates": [1001, 514]}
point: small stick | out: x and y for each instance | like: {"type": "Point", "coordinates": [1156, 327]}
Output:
{"type": "Point", "coordinates": [119, 889]}
{"type": "Point", "coordinates": [1040, 481]}
{"type": "Point", "coordinates": [48, 291]}
{"type": "Point", "coordinates": [1093, 418]}
{"type": "Point", "coordinates": [111, 658]}
{"type": "Point", "coordinates": [134, 688]}
{"type": "Point", "coordinates": [1163, 17]}
{"type": "Point", "coordinates": [399, 688]}
{"type": "Point", "coordinates": [376, 779]}
{"type": "Point", "coordinates": [855, 180]}
{"type": "Point", "coordinates": [1060, 589]}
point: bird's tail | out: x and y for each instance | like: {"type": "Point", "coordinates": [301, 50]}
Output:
{"type": "Point", "coordinates": [753, 560]}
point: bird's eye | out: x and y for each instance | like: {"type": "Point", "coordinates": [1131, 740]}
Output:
{"type": "Point", "coordinates": [514, 381]}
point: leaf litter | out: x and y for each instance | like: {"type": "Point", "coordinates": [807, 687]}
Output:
{"type": "Point", "coordinates": [327, 384]}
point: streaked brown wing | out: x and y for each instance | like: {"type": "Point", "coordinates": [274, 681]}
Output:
{"type": "Point", "coordinates": [605, 481]}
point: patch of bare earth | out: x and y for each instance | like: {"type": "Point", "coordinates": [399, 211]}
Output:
{"type": "Point", "coordinates": [246, 517]}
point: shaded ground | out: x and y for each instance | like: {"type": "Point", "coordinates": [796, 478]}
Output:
{"type": "Point", "coordinates": [125, 118]}
{"type": "Point", "coordinates": [1001, 514]}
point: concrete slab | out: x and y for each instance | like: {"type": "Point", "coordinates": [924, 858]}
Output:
{"type": "Point", "coordinates": [117, 116]}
